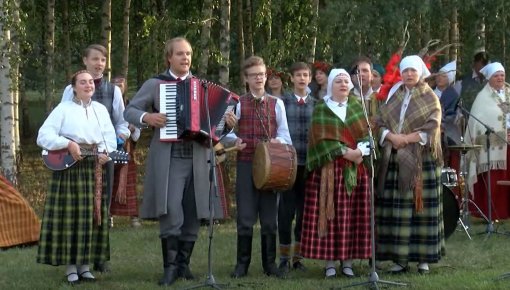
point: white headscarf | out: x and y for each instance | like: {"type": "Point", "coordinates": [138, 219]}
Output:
{"type": "Point", "coordinates": [412, 61]}
{"type": "Point", "coordinates": [332, 75]}
{"type": "Point", "coordinates": [491, 69]}
{"type": "Point", "coordinates": [415, 62]}
{"type": "Point", "coordinates": [450, 69]}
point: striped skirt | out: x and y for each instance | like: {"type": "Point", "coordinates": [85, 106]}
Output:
{"type": "Point", "coordinates": [69, 234]}
{"type": "Point", "coordinates": [404, 235]}
{"type": "Point", "coordinates": [348, 233]}
{"type": "Point", "coordinates": [18, 222]}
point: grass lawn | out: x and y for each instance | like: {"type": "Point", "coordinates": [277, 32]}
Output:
{"type": "Point", "coordinates": [136, 264]}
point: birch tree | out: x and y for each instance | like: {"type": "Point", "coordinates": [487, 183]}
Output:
{"type": "Point", "coordinates": [225, 42]}
{"type": "Point", "coordinates": [7, 127]}
{"type": "Point", "coordinates": [106, 34]}
{"type": "Point", "coordinates": [205, 36]}
{"type": "Point", "coordinates": [125, 39]}
{"type": "Point", "coordinates": [50, 52]}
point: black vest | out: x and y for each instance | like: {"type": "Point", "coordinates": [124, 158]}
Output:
{"type": "Point", "coordinates": [104, 94]}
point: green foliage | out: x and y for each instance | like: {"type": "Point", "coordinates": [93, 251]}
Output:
{"type": "Point", "coordinates": [282, 32]}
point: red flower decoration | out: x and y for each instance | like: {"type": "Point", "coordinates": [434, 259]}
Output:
{"type": "Point", "coordinates": [275, 72]}
{"type": "Point", "coordinates": [323, 66]}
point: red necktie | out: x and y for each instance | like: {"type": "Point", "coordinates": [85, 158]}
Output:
{"type": "Point", "coordinates": [301, 101]}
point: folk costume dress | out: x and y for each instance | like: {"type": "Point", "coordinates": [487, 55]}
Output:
{"type": "Point", "coordinates": [70, 234]}
{"type": "Point", "coordinates": [492, 108]}
{"type": "Point", "coordinates": [409, 211]}
{"type": "Point", "coordinates": [125, 197]}
{"type": "Point", "coordinates": [336, 219]}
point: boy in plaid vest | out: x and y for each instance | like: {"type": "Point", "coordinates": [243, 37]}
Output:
{"type": "Point", "coordinates": [260, 117]}
{"type": "Point", "coordinates": [299, 108]}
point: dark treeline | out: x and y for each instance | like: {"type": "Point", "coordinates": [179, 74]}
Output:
{"type": "Point", "coordinates": [281, 31]}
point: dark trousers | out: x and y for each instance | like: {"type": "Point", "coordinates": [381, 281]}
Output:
{"type": "Point", "coordinates": [181, 219]}
{"type": "Point", "coordinates": [291, 206]}
{"type": "Point", "coordinates": [253, 204]}
{"type": "Point", "coordinates": [109, 172]}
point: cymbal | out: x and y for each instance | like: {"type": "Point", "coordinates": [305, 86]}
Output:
{"type": "Point", "coordinates": [464, 147]}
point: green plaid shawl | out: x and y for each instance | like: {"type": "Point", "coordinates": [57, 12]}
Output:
{"type": "Point", "coordinates": [422, 115]}
{"type": "Point", "coordinates": [329, 137]}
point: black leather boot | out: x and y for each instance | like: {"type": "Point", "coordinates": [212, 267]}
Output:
{"type": "Point", "coordinates": [170, 248]}
{"type": "Point", "coordinates": [243, 256]}
{"type": "Point", "coordinates": [268, 251]}
{"type": "Point", "coordinates": [183, 258]}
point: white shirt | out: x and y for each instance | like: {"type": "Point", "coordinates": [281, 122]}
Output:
{"type": "Point", "coordinates": [85, 125]}
{"type": "Point", "coordinates": [299, 97]}
{"type": "Point", "coordinates": [282, 130]}
{"type": "Point", "coordinates": [340, 109]}
{"type": "Point", "coordinates": [120, 125]}
{"type": "Point", "coordinates": [438, 92]}
{"type": "Point", "coordinates": [367, 95]}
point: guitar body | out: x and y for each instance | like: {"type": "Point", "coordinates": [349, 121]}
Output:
{"type": "Point", "coordinates": [57, 160]}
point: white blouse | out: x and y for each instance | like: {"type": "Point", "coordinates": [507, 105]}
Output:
{"type": "Point", "coordinates": [84, 125]}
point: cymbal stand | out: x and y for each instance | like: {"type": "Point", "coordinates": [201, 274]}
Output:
{"type": "Point", "coordinates": [464, 219]}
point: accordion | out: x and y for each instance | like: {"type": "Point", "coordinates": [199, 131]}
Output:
{"type": "Point", "coordinates": [183, 103]}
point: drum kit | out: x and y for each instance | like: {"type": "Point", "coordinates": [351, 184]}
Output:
{"type": "Point", "coordinates": [455, 213]}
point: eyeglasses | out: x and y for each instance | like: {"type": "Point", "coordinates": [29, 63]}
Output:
{"type": "Point", "coordinates": [257, 75]}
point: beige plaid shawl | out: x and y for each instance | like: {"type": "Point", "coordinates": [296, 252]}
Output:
{"type": "Point", "coordinates": [423, 115]}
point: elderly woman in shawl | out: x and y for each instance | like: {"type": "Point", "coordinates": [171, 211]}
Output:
{"type": "Point", "coordinates": [491, 106]}
{"type": "Point", "coordinates": [409, 209]}
{"type": "Point", "coordinates": [336, 221]}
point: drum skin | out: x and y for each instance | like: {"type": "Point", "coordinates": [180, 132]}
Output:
{"type": "Point", "coordinates": [274, 166]}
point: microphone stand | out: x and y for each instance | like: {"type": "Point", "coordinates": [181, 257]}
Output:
{"type": "Point", "coordinates": [488, 131]}
{"type": "Point", "coordinates": [213, 191]}
{"type": "Point", "coordinates": [373, 278]}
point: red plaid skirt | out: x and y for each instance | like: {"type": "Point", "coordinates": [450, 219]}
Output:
{"type": "Point", "coordinates": [348, 233]}
{"type": "Point", "coordinates": [131, 206]}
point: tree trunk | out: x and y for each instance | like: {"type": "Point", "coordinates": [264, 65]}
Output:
{"type": "Point", "coordinates": [240, 43]}
{"type": "Point", "coordinates": [125, 39]}
{"type": "Point", "coordinates": [205, 35]}
{"type": "Point", "coordinates": [106, 35]}
{"type": "Point", "coordinates": [454, 33]}
{"type": "Point", "coordinates": [7, 135]}
{"type": "Point", "coordinates": [15, 60]}
{"type": "Point", "coordinates": [225, 42]}
{"type": "Point", "coordinates": [50, 52]}
{"type": "Point", "coordinates": [446, 36]}
{"type": "Point", "coordinates": [315, 28]}
{"type": "Point", "coordinates": [66, 42]}
{"type": "Point", "coordinates": [480, 30]}
{"type": "Point", "coordinates": [248, 28]}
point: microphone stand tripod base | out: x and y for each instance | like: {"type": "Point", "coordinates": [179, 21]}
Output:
{"type": "Point", "coordinates": [503, 276]}
{"type": "Point", "coordinates": [373, 280]}
{"type": "Point", "coordinates": [213, 189]}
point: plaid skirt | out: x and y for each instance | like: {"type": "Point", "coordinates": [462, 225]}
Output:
{"type": "Point", "coordinates": [404, 235]}
{"type": "Point", "coordinates": [348, 233]}
{"type": "Point", "coordinates": [68, 232]}
{"type": "Point", "coordinates": [130, 208]}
